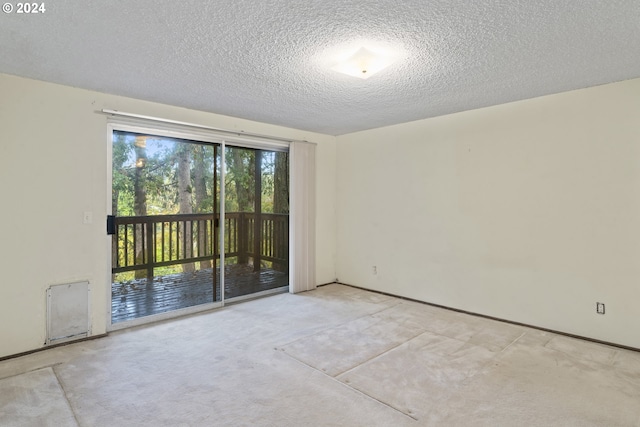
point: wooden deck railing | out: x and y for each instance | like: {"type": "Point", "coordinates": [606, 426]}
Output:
{"type": "Point", "coordinates": [147, 242]}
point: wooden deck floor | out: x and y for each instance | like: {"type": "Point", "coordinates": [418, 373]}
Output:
{"type": "Point", "coordinates": [138, 298]}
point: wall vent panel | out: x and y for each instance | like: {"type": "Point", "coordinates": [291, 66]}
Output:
{"type": "Point", "coordinates": [67, 312]}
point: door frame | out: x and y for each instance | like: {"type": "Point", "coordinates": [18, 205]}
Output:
{"type": "Point", "coordinates": [159, 131]}
{"type": "Point", "coordinates": [152, 127]}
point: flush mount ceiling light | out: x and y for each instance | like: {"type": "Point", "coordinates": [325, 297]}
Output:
{"type": "Point", "coordinates": [363, 63]}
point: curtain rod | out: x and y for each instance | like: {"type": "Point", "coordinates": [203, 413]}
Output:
{"type": "Point", "coordinates": [197, 126]}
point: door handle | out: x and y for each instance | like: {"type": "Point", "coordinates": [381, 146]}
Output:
{"type": "Point", "coordinates": [111, 224]}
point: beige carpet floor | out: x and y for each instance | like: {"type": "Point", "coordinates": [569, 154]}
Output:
{"type": "Point", "coordinates": [34, 398]}
{"type": "Point", "coordinates": [336, 356]}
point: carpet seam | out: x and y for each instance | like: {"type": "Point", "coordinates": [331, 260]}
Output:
{"type": "Point", "coordinates": [64, 393]}
{"type": "Point", "coordinates": [339, 325]}
{"type": "Point", "coordinates": [348, 386]}
{"type": "Point", "coordinates": [490, 361]}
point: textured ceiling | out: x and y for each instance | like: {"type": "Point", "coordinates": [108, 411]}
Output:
{"type": "Point", "coordinates": [271, 60]}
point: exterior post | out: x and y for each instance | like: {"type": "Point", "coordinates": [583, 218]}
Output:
{"type": "Point", "coordinates": [150, 249]}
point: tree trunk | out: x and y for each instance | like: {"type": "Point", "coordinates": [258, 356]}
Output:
{"type": "Point", "coordinates": [241, 165]}
{"type": "Point", "coordinates": [257, 218]}
{"type": "Point", "coordinates": [140, 200]}
{"type": "Point", "coordinates": [281, 206]}
{"type": "Point", "coordinates": [184, 201]}
{"type": "Point", "coordinates": [281, 184]}
{"type": "Point", "coordinates": [120, 154]}
{"type": "Point", "coordinates": [243, 178]}
{"type": "Point", "coordinates": [200, 185]}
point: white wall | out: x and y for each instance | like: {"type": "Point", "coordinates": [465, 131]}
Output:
{"type": "Point", "coordinates": [53, 167]}
{"type": "Point", "coordinates": [528, 211]}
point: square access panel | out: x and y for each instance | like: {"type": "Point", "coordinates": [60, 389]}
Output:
{"type": "Point", "coordinates": [67, 312]}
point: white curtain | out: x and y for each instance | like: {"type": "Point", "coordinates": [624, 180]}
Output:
{"type": "Point", "coordinates": [302, 240]}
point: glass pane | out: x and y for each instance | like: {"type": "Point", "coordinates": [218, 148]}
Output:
{"type": "Point", "coordinates": [165, 194]}
{"type": "Point", "coordinates": [256, 221]}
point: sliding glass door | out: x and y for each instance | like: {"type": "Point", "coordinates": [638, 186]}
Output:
{"type": "Point", "coordinates": [169, 240]}
{"type": "Point", "coordinates": [165, 194]}
{"type": "Point", "coordinates": [257, 220]}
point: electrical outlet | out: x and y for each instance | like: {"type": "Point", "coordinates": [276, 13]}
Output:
{"type": "Point", "coordinates": [600, 307]}
{"type": "Point", "coordinates": [374, 270]}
